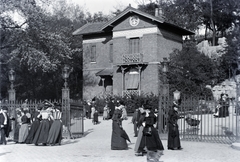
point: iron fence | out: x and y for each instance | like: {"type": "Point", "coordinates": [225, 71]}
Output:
{"type": "Point", "coordinates": [207, 127]}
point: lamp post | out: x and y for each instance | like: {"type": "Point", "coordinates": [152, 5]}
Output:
{"type": "Point", "coordinates": [163, 96]}
{"type": "Point", "coordinates": [66, 70]}
{"type": "Point", "coordinates": [12, 97]}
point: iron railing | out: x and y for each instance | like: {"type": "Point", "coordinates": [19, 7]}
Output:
{"type": "Point", "coordinates": [129, 93]}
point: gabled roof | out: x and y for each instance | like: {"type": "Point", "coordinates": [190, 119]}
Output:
{"type": "Point", "coordinates": [89, 28]}
{"type": "Point", "coordinates": [92, 28]}
{"type": "Point", "coordinates": [130, 10]}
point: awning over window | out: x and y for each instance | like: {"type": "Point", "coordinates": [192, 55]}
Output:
{"type": "Point", "coordinates": [105, 72]}
{"type": "Point", "coordinates": [133, 81]}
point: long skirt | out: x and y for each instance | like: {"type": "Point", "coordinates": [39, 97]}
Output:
{"type": "Point", "coordinates": [23, 133]}
{"type": "Point", "coordinates": [118, 142]}
{"type": "Point", "coordinates": [16, 132]}
{"type": "Point", "coordinates": [105, 115]}
{"type": "Point", "coordinates": [173, 137]}
{"type": "Point", "coordinates": [32, 131]}
{"type": "Point", "coordinates": [41, 135]}
{"type": "Point", "coordinates": [139, 138]}
{"type": "Point", "coordinates": [150, 140]}
{"type": "Point", "coordinates": [55, 133]}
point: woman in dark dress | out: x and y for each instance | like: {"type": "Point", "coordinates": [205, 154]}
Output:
{"type": "Point", "coordinates": [119, 136]}
{"type": "Point", "coordinates": [222, 107]}
{"type": "Point", "coordinates": [41, 135]}
{"type": "Point", "coordinates": [173, 132]}
{"type": "Point", "coordinates": [55, 132]}
{"type": "Point", "coordinates": [150, 137]}
{"type": "Point", "coordinates": [35, 124]}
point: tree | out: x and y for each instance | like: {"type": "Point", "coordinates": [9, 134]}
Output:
{"type": "Point", "coordinates": [231, 59]}
{"type": "Point", "coordinates": [38, 48]}
{"type": "Point", "coordinates": [190, 71]}
{"type": "Point", "coordinates": [219, 15]}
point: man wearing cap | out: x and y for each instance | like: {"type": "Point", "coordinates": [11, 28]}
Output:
{"type": "Point", "coordinates": [4, 125]}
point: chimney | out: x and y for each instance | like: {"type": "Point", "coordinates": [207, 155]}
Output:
{"type": "Point", "coordinates": [159, 13]}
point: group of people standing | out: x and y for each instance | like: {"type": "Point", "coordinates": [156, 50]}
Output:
{"type": "Point", "coordinates": [43, 126]}
{"type": "Point", "coordinates": [145, 121]}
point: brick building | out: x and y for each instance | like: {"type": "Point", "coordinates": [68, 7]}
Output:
{"type": "Point", "coordinates": [123, 56]}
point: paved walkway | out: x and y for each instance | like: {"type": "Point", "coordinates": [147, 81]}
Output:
{"type": "Point", "coordinates": [95, 147]}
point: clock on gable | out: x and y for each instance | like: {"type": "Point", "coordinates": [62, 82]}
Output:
{"type": "Point", "coordinates": [134, 20]}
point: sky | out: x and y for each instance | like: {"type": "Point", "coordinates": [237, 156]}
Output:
{"type": "Point", "coordinates": [106, 6]}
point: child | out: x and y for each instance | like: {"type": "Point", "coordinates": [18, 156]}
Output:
{"type": "Point", "coordinates": [95, 117]}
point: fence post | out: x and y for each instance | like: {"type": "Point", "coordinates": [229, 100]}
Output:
{"type": "Point", "coordinates": [66, 99]}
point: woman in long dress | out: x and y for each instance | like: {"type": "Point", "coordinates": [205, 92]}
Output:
{"type": "Point", "coordinates": [41, 135]}
{"type": "Point", "coordinates": [150, 139]}
{"type": "Point", "coordinates": [55, 132]}
{"type": "Point", "coordinates": [92, 111]}
{"type": "Point", "coordinates": [119, 136]}
{"type": "Point", "coordinates": [106, 112]}
{"type": "Point", "coordinates": [35, 124]}
{"type": "Point", "coordinates": [173, 132]}
{"type": "Point", "coordinates": [24, 130]}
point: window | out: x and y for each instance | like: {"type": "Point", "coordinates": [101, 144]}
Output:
{"type": "Point", "coordinates": [132, 80]}
{"type": "Point", "coordinates": [134, 45]}
{"type": "Point", "coordinates": [93, 53]}
{"type": "Point", "coordinates": [111, 53]}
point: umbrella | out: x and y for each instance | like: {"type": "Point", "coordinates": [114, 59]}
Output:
{"type": "Point", "coordinates": [125, 135]}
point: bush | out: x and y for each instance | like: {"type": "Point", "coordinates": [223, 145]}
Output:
{"type": "Point", "coordinates": [131, 102]}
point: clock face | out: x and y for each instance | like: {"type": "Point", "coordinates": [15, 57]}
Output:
{"type": "Point", "coordinates": [134, 20]}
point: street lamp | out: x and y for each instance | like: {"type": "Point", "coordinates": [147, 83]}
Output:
{"type": "Point", "coordinates": [66, 70]}
{"type": "Point", "coordinates": [11, 92]}
{"type": "Point", "coordinates": [163, 96]}
{"type": "Point", "coordinates": [176, 95]}
{"type": "Point", "coordinates": [11, 77]}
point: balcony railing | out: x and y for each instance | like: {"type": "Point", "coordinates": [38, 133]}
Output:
{"type": "Point", "coordinates": [132, 58]}
{"type": "Point", "coordinates": [129, 93]}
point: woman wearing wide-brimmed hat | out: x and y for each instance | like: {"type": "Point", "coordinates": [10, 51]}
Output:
{"type": "Point", "coordinates": [150, 138]}
{"type": "Point", "coordinates": [173, 132]}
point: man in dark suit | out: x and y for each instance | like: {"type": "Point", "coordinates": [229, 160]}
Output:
{"type": "Point", "coordinates": [4, 125]}
{"type": "Point", "coordinates": [135, 119]}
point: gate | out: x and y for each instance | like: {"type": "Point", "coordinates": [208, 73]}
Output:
{"type": "Point", "coordinates": [207, 127]}
{"type": "Point", "coordinates": [77, 118]}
